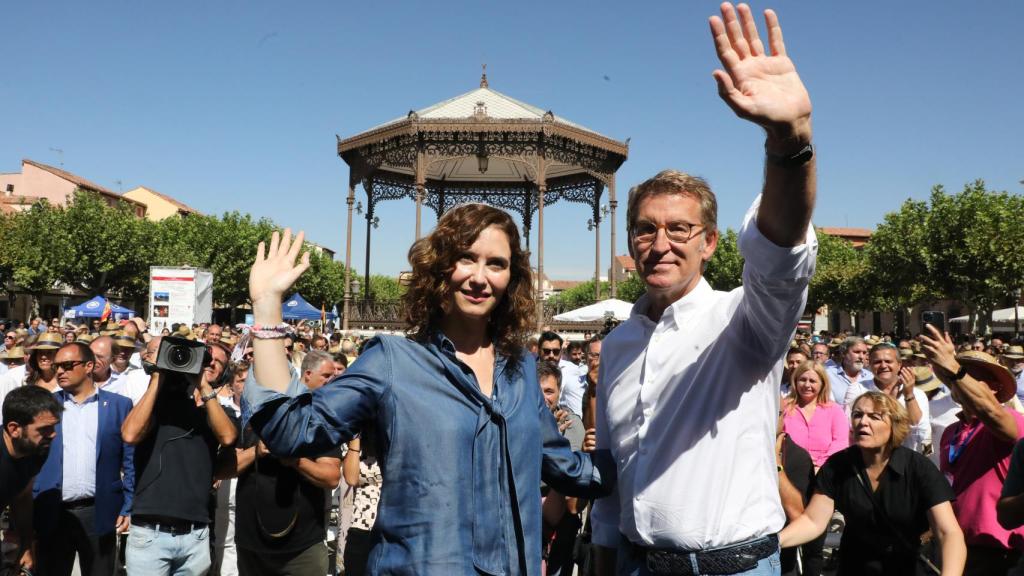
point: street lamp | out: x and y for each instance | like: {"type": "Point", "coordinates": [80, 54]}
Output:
{"type": "Point", "coordinates": [354, 288]}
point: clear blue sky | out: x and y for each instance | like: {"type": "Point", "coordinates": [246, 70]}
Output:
{"type": "Point", "coordinates": [234, 105]}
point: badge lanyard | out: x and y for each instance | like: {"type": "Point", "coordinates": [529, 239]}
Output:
{"type": "Point", "coordinates": [956, 448]}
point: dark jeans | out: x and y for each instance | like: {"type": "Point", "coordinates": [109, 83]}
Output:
{"type": "Point", "coordinates": [75, 532]}
{"type": "Point", "coordinates": [309, 562]}
{"type": "Point", "coordinates": [357, 550]}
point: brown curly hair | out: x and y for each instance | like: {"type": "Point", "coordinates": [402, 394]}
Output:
{"type": "Point", "coordinates": [433, 259]}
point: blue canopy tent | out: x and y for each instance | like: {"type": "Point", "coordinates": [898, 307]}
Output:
{"type": "Point", "coordinates": [94, 309]}
{"type": "Point", "coordinates": [296, 308]}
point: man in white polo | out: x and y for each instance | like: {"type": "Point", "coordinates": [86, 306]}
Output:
{"type": "Point", "coordinates": [689, 386]}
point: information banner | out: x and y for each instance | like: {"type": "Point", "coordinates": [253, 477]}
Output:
{"type": "Point", "coordinates": [179, 296]}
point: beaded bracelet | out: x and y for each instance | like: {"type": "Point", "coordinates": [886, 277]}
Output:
{"type": "Point", "coordinates": [259, 332]}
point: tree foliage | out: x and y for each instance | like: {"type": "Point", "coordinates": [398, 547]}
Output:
{"type": "Point", "coordinates": [382, 288]}
{"type": "Point", "coordinates": [725, 269]}
{"type": "Point", "coordinates": [100, 249]}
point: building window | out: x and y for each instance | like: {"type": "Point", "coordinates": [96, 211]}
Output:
{"type": "Point", "coordinates": [10, 189]}
{"type": "Point", "coordinates": [876, 322]}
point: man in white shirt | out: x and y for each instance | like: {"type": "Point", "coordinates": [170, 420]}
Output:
{"type": "Point", "coordinates": [688, 393]}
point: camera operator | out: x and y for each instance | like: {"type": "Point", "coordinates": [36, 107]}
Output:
{"type": "Point", "coordinates": [177, 428]}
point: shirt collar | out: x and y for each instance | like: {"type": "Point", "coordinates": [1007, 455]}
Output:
{"type": "Point", "coordinates": [692, 300]}
{"type": "Point", "coordinates": [66, 396]}
{"type": "Point", "coordinates": [899, 460]}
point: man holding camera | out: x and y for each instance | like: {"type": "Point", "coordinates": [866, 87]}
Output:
{"type": "Point", "coordinates": [177, 428]}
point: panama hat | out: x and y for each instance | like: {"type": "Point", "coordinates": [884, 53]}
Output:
{"type": "Point", "coordinates": [925, 379]}
{"type": "Point", "coordinates": [1014, 353]}
{"type": "Point", "coordinates": [984, 367]}
{"type": "Point", "coordinates": [13, 353]}
{"type": "Point", "coordinates": [48, 341]}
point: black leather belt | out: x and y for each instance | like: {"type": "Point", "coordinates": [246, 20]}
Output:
{"type": "Point", "coordinates": [167, 525]}
{"type": "Point", "coordinates": [81, 503]}
{"type": "Point", "coordinates": [726, 560]}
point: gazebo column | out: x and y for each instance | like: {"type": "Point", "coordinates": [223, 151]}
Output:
{"type": "Point", "coordinates": [541, 189]}
{"type": "Point", "coordinates": [351, 200]}
{"type": "Point", "coordinates": [597, 250]}
{"type": "Point", "coordinates": [421, 178]}
{"type": "Point", "coordinates": [612, 203]}
{"type": "Point", "coordinates": [369, 228]}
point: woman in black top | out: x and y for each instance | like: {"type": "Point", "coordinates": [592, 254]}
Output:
{"type": "Point", "coordinates": [888, 494]}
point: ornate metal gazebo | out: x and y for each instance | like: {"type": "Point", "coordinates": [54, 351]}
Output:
{"type": "Point", "coordinates": [486, 147]}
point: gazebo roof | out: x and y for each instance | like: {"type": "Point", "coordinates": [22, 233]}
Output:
{"type": "Point", "coordinates": [480, 111]}
{"type": "Point", "coordinates": [499, 107]}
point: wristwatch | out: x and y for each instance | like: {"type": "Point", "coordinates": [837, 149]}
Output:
{"type": "Point", "coordinates": [960, 373]}
{"type": "Point", "coordinates": [207, 397]}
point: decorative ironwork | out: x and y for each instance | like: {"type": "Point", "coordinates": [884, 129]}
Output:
{"type": "Point", "coordinates": [386, 314]}
{"type": "Point", "coordinates": [381, 188]}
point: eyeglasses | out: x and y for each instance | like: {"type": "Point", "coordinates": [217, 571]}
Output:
{"type": "Point", "coordinates": [677, 232]}
{"type": "Point", "coordinates": [550, 351]}
{"type": "Point", "coordinates": [68, 365]}
{"type": "Point", "coordinates": [8, 337]}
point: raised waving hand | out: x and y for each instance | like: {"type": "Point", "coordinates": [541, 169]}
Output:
{"type": "Point", "coordinates": [759, 86]}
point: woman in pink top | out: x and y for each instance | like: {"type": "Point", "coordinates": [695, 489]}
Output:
{"type": "Point", "coordinates": [811, 419]}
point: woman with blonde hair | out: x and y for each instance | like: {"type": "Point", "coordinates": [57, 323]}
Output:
{"type": "Point", "coordinates": [888, 494]}
{"type": "Point", "coordinates": [464, 436]}
{"type": "Point", "coordinates": [811, 418]}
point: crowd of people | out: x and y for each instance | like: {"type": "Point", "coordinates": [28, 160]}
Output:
{"type": "Point", "coordinates": [702, 435]}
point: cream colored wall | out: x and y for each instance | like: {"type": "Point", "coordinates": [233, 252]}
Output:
{"type": "Point", "coordinates": [156, 207]}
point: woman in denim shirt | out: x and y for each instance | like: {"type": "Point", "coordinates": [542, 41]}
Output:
{"type": "Point", "coordinates": [464, 435]}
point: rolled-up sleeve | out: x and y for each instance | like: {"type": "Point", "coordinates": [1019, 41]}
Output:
{"type": "Point", "coordinates": [775, 280]}
{"type": "Point", "coordinates": [308, 423]}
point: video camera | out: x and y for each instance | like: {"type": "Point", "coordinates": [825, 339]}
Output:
{"type": "Point", "coordinates": [182, 356]}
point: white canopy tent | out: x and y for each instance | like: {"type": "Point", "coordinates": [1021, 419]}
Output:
{"type": "Point", "coordinates": [1002, 317]}
{"type": "Point", "coordinates": [596, 312]}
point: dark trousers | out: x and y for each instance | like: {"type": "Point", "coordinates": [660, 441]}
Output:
{"type": "Point", "coordinates": [309, 562]}
{"type": "Point", "coordinates": [560, 552]}
{"type": "Point", "coordinates": [75, 532]}
{"type": "Point", "coordinates": [357, 551]}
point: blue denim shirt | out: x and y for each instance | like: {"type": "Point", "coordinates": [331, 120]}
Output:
{"type": "Point", "coordinates": [462, 472]}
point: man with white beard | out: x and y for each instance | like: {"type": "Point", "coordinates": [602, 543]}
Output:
{"type": "Point", "coordinates": [854, 354]}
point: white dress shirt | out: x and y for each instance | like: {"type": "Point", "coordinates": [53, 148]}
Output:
{"type": "Point", "coordinates": [689, 405]}
{"type": "Point", "coordinates": [79, 428]}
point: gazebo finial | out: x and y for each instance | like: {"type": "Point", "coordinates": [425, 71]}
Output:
{"type": "Point", "coordinates": [483, 77]}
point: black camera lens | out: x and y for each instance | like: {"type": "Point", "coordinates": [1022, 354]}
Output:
{"type": "Point", "coordinates": [179, 356]}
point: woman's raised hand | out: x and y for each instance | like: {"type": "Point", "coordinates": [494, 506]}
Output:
{"type": "Point", "coordinates": [275, 269]}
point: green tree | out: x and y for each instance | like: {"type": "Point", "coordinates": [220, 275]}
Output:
{"type": "Point", "coordinates": [838, 279]}
{"type": "Point", "coordinates": [631, 289]}
{"type": "Point", "coordinates": [324, 282]}
{"type": "Point", "coordinates": [33, 255]}
{"type": "Point", "coordinates": [725, 269]}
{"type": "Point", "coordinates": [107, 249]}
{"type": "Point", "coordinates": [383, 288]}
{"type": "Point", "coordinates": [897, 259]}
{"type": "Point", "coordinates": [972, 255]}
{"type": "Point", "coordinates": [578, 296]}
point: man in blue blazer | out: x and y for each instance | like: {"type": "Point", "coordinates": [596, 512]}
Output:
{"type": "Point", "coordinates": [83, 494]}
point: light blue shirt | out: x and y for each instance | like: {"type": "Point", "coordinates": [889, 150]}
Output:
{"type": "Point", "coordinates": [839, 381]}
{"type": "Point", "coordinates": [79, 427]}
